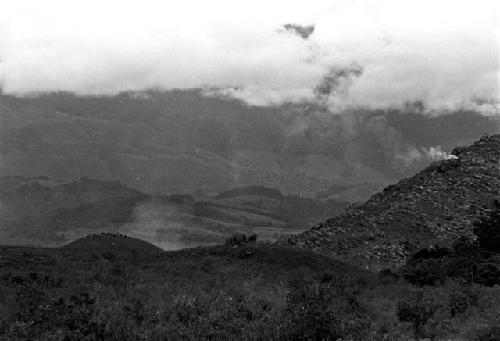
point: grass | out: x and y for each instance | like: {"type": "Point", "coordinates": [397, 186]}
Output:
{"type": "Point", "coordinates": [110, 287]}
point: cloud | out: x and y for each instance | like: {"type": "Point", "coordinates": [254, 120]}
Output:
{"type": "Point", "coordinates": [300, 30]}
{"type": "Point", "coordinates": [333, 90]}
{"type": "Point", "coordinates": [443, 53]}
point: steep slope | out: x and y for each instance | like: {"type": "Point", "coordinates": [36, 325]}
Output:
{"type": "Point", "coordinates": [436, 206]}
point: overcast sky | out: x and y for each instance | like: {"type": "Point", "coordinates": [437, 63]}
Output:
{"type": "Point", "coordinates": [443, 52]}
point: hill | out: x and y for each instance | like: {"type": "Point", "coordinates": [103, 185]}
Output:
{"type": "Point", "coordinates": [99, 288]}
{"type": "Point", "coordinates": [45, 212]}
{"type": "Point", "coordinates": [113, 287]}
{"type": "Point", "coordinates": [112, 244]}
{"type": "Point", "coordinates": [436, 206]}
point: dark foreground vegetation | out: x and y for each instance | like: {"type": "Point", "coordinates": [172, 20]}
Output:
{"type": "Point", "coordinates": [112, 287]}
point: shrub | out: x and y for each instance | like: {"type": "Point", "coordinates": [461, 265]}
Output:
{"type": "Point", "coordinates": [487, 274]}
{"type": "Point", "coordinates": [42, 317]}
{"type": "Point", "coordinates": [487, 230]}
{"type": "Point", "coordinates": [323, 309]}
{"type": "Point", "coordinates": [389, 273]}
{"type": "Point", "coordinates": [460, 300]}
{"type": "Point", "coordinates": [418, 309]}
{"type": "Point", "coordinates": [240, 239]}
{"type": "Point", "coordinates": [472, 261]}
{"type": "Point", "coordinates": [488, 334]}
{"type": "Point", "coordinates": [109, 255]}
{"type": "Point", "coordinates": [252, 238]}
{"type": "Point", "coordinates": [425, 271]}
{"type": "Point", "coordinates": [466, 261]}
{"type": "Point", "coordinates": [237, 239]}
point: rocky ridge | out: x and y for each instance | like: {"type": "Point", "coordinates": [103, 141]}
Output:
{"type": "Point", "coordinates": [436, 206]}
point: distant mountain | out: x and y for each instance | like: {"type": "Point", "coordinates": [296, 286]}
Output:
{"type": "Point", "coordinates": [436, 206]}
{"type": "Point", "coordinates": [294, 210]}
{"type": "Point", "coordinates": [185, 142]}
{"type": "Point", "coordinates": [250, 190]}
{"type": "Point", "coordinates": [43, 211]}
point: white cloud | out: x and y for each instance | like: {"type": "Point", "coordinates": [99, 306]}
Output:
{"type": "Point", "coordinates": [414, 155]}
{"type": "Point", "coordinates": [442, 52]}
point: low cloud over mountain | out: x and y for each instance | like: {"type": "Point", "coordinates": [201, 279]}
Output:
{"type": "Point", "coordinates": [182, 142]}
{"type": "Point", "coordinates": [444, 53]}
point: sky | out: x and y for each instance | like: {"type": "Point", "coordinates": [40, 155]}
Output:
{"type": "Point", "coordinates": [362, 53]}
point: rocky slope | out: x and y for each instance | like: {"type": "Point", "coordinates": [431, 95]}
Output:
{"type": "Point", "coordinates": [436, 206]}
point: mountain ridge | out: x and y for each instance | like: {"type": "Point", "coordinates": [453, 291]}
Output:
{"type": "Point", "coordinates": [183, 142]}
{"type": "Point", "coordinates": [45, 211]}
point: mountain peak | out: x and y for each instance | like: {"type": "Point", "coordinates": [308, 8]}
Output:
{"type": "Point", "coordinates": [436, 206]}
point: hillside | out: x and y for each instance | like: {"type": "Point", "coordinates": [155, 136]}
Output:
{"type": "Point", "coordinates": [436, 206]}
{"type": "Point", "coordinates": [166, 142]}
{"type": "Point", "coordinates": [113, 287]}
{"type": "Point", "coordinates": [112, 244]}
{"type": "Point", "coordinates": [45, 211]}
{"type": "Point", "coordinates": [41, 211]}
{"type": "Point", "coordinates": [94, 289]}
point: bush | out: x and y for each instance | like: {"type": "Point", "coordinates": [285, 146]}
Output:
{"type": "Point", "coordinates": [418, 309]}
{"type": "Point", "coordinates": [488, 334]}
{"type": "Point", "coordinates": [252, 238]}
{"type": "Point", "coordinates": [323, 309]}
{"type": "Point", "coordinates": [240, 239]}
{"type": "Point", "coordinates": [237, 239]}
{"type": "Point", "coordinates": [466, 261]}
{"type": "Point", "coordinates": [388, 274]}
{"type": "Point", "coordinates": [487, 230]}
{"type": "Point", "coordinates": [41, 317]}
{"type": "Point", "coordinates": [460, 300]}
{"type": "Point", "coordinates": [215, 316]}
{"type": "Point", "coordinates": [487, 274]}
{"type": "Point", "coordinates": [425, 271]}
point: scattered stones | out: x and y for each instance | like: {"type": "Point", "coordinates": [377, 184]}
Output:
{"type": "Point", "coordinates": [436, 206]}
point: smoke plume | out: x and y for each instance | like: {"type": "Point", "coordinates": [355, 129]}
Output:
{"type": "Point", "coordinates": [169, 226]}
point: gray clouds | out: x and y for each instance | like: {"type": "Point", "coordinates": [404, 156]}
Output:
{"type": "Point", "coordinates": [302, 31]}
{"type": "Point", "coordinates": [442, 53]}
